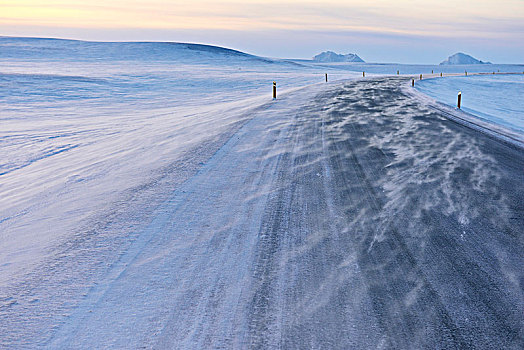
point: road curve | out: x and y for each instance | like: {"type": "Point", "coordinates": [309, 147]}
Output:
{"type": "Point", "coordinates": [362, 219]}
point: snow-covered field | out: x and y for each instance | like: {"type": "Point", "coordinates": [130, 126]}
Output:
{"type": "Point", "coordinates": [98, 146]}
{"type": "Point", "coordinates": [497, 99]}
{"type": "Point", "coordinates": [83, 123]}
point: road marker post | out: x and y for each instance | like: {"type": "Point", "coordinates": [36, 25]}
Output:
{"type": "Point", "coordinates": [274, 90]}
{"type": "Point", "coordinates": [459, 99]}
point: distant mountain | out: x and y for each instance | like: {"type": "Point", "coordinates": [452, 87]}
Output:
{"type": "Point", "coordinates": [462, 58]}
{"type": "Point", "coordinates": [330, 56]}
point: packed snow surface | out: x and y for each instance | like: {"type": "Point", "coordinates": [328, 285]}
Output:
{"type": "Point", "coordinates": [85, 122]}
{"type": "Point", "coordinates": [498, 99]}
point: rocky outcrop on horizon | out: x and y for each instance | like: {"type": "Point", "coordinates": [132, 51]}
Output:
{"type": "Point", "coordinates": [330, 56]}
{"type": "Point", "coordinates": [462, 58]}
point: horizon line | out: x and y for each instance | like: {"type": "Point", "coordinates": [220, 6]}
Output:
{"type": "Point", "coordinates": [224, 47]}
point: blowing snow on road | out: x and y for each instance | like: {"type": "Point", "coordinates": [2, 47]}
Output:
{"type": "Point", "coordinates": [346, 215]}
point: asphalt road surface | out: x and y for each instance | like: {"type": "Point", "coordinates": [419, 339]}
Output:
{"type": "Point", "coordinates": [362, 219]}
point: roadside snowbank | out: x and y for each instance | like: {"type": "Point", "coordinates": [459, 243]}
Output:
{"type": "Point", "coordinates": [505, 120]}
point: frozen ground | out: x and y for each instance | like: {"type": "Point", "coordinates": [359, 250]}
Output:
{"type": "Point", "coordinates": [85, 123]}
{"type": "Point", "coordinates": [497, 99]}
{"type": "Point", "coordinates": [139, 213]}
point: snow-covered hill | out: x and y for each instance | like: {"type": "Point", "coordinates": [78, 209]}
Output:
{"type": "Point", "coordinates": [60, 49]}
{"type": "Point", "coordinates": [462, 58]}
{"type": "Point", "coordinates": [330, 56]}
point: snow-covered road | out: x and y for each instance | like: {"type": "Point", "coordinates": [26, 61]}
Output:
{"type": "Point", "coordinates": [343, 215]}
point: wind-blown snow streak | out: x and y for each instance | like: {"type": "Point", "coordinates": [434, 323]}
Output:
{"type": "Point", "coordinates": [168, 196]}
{"type": "Point", "coordinates": [87, 125]}
{"type": "Point", "coordinates": [358, 218]}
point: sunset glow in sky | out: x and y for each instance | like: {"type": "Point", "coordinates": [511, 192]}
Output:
{"type": "Point", "coordinates": [379, 30]}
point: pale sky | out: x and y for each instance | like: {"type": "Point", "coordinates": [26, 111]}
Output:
{"type": "Point", "coordinates": [406, 31]}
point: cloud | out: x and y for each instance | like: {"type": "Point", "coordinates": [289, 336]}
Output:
{"type": "Point", "coordinates": [478, 18]}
